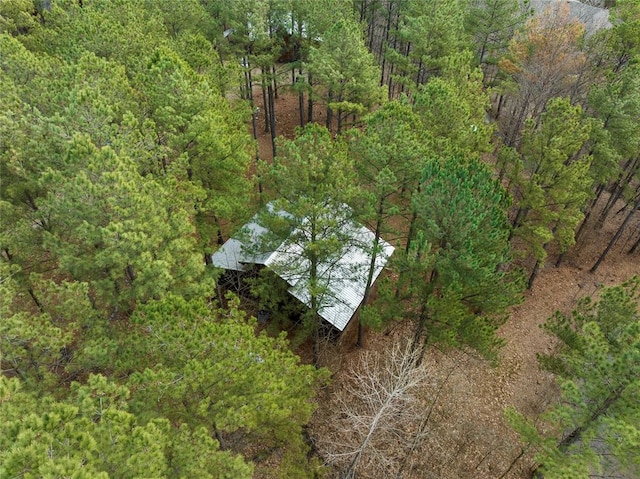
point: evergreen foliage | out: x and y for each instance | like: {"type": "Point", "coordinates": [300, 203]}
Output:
{"type": "Point", "coordinates": [453, 109]}
{"type": "Point", "coordinates": [93, 435]}
{"type": "Point", "coordinates": [313, 182]}
{"type": "Point", "coordinates": [493, 23]}
{"type": "Point", "coordinates": [119, 231]}
{"type": "Point", "coordinates": [125, 158]}
{"type": "Point", "coordinates": [595, 424]}
{"type": "Point", "coordinates": [204, 366]}
{"type": "Point", "coordinates": [346, 69]}
{"type": "Point", "coordinates": [388, 156]}
{"type": "Point", "coordinates": [552, 178]}
{"type": "Point", "coordinates": [432, 31]}
{"type": "Point", "coordinates": [453, 275]}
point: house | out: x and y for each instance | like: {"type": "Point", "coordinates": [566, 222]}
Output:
{"type": "Point", "coordinates": [593, 17]}
{"type": "Point", "coordinates": [344, 276]}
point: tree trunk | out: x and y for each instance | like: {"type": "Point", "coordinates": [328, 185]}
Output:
{"type": "Point", "coordinates": [405, 72]}
{"type": "Point", "coordinates": [623, 180]}
{"type": "Point", "coordinates": [316, 339]}
{"type": "Point", "coordinates": [512, 136]}
{"type": "Point", "coordinates": [250, 78]}
{"type": "Point", "coordinates": [35, 299]}
{"type": "Point", "coordinates": [384, 42]}
{"type": "Point", "coordinates": [416, 342]}
{"type": "Point", "coordinates": [300, 100]}
{"type": "Point", "coordinates": [635, 246]}
{"type": "Point", "coordinates": [265, 104]}
{"type": "Point", "coordinates": [587, 215]}
{"type": "Point", "coordinates": [275, 82]}
{"type": "Point", "coordinates": [534, 274]}
{"type": "Point", "coordinates": [514, 462]}
{"type": "Point", "coordinates": [272, 118]}
{"type": "Point", "coordinates": [370, 32]}
{"type": "Point", "coordinates": [313, 282]}
{"type": "Point", "coordinates": [372, 267]}
{"type": "Point", "coordinates": [520, 216]}
{"type": "Point", "coordinates": [220, 239]}
{"type": "Point", "coordinates": [220, 294]}
{"type": "Point", "coordinates": [218, 436]}
{"type": "Point", "coordinates": [131, 275]}
{"type": "Point", "coordinates": [245, 88]}
{"type": "Point", "coordinates": [483, 49]}
{"type": "Point", "coordinates": [394, 46]}
{"type": "Point", "coordinates": [329, 118]}
{"type": "Point", "coordinates": [499, 107]}
{"type": "Point", "coordinates": [600, 411]}
{"type": "Point", "coordinates": [616, 236]}
{"type": "Point", "coordinates": [310, 100]}
{"type": "Point", "coordinates": [412, 231]}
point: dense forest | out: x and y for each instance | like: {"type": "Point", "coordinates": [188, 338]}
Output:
{"type": "Point", "coordinates": [483, 139]}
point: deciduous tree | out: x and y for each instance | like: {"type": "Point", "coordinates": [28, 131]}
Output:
{"type": "Point", "coordinates": [377, 408]}
{"type": "Point", "coordinates": [543, 62]}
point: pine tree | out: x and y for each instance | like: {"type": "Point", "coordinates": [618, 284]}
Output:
{"type": "Point", "coordinates": [93, 435]}
{"type": "Point", "coordinates": [346, 69]}
{"type": "Point", "coordinates": [17, 18]}
{"type": "Point", "coordinates": [118, 231]}
{"type": "Point", "coordinates": [595, 423]}
{"type": "Point", "coordinates": [429, 32]}
{"type": "Point", "coordinates": [551, 179]}
{"type": "Point", "coordinates": [457, 280]}
{"type": "Point", "coordinates": [313, 180]}
{"type": "Point", "coordinates": [199, 139]}
{"type": "Point", "coordinates": [312, 19]}
{"type": "Point", "coordinates": [388, 156]}
{"type": "Point", "coordinates": [492, 24]}
{"type": "Point", "coordinates": [204, 366]}
{"type": "Point", "coordinates": [453, 109]}
{"type": "Point", "coordinates": [43, 329]}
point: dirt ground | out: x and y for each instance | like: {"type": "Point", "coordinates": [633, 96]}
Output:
{"type": "Point", "coordinates": [468, 436]}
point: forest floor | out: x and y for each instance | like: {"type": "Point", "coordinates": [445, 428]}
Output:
{"type": "Point", "coordinates": [468, 436]}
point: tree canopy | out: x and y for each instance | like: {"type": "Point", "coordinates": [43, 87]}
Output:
{"type": "Point", "coordinates": [479, 138]}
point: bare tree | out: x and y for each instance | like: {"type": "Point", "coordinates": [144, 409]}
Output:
{"type": "Point", "coordinates": [421, 432]}
{"type": "Point", "coordinates": [544, 61]}
{"type": "Point", "coordinates": [375, 412]}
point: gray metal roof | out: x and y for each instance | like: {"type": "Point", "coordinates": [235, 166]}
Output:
{"type": "Point", "coordinates": [242, 249]}
{"type": "Point", "coordinates": [344, 275]}
{"type": "Point", "coordinates": [234, 254]}
{"type": "Point", "coordinates": [594, 18]}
